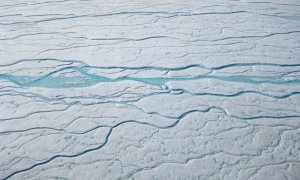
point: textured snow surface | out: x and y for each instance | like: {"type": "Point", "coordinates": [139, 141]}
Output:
{"type": "Point", "coordinates": [150, 89]}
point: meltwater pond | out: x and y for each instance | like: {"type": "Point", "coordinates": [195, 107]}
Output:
{"type": "Point", "coordinates": [190, 89]}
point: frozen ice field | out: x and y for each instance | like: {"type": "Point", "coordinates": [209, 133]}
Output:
{"type": "Point", "coordinates": [150, 89]}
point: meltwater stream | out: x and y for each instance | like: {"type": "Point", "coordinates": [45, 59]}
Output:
{"type": "Point", "coordinates": [149, 89]}
{"type": "Point", "coordinates": [79, 77]}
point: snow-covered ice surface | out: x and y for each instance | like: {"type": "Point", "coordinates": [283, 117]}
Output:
{"type": "Point", "coordinates": [150, 89]}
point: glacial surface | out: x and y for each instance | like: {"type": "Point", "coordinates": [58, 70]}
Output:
{"type": "Point", "coordinates": [150, 89]}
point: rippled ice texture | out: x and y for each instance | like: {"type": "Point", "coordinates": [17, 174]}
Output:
{"type": "Point", "coordinates": [149, 89]}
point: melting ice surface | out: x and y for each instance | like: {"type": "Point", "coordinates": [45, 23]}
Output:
{"type": "Point", "coordinates": [149, 89]}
